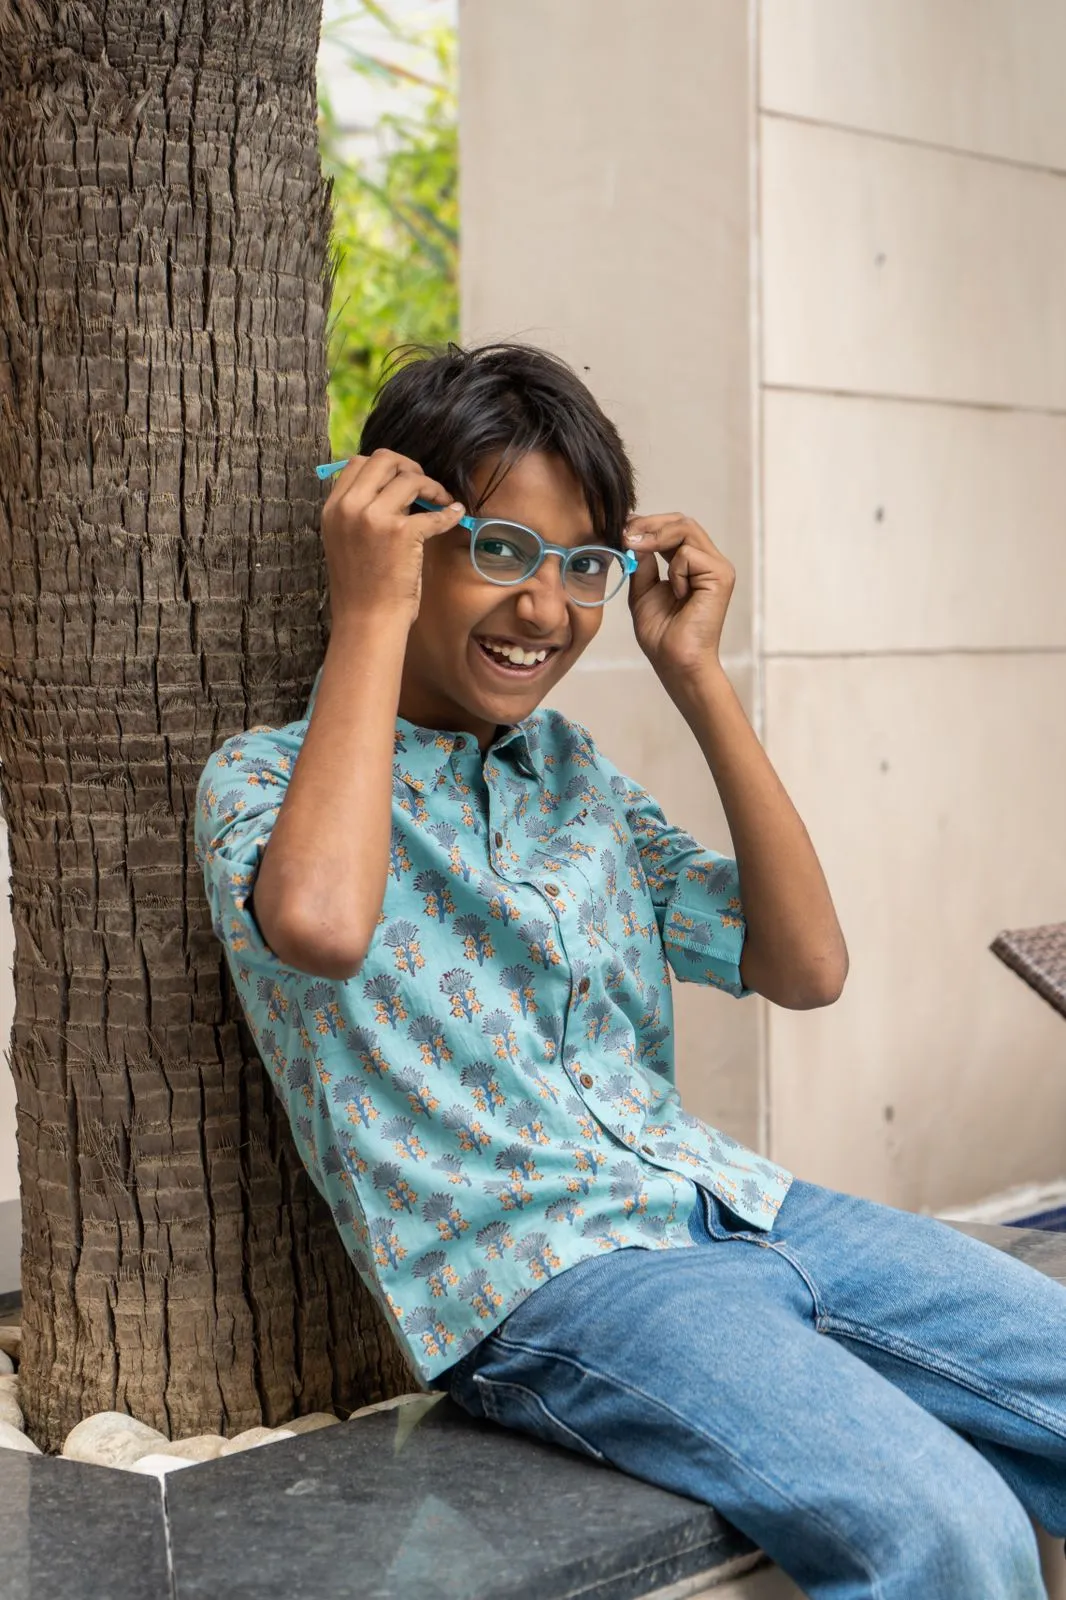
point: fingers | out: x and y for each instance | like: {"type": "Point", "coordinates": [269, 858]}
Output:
{"type": "Point", "coordinates": [363, 479]}
{"type": "Point", "coordinates": [686, 563]}
{"type": "Point", "coordinates": [374, 491]}
{"type": "Point", "coordinates": [428, 523]}
{"type": "Point", "coordinates": [664, 532]}
{"type": "Point", "coordinates": [400, 494]}
{"type": "Point", "coordinates": [693, 561]}
{"type": "Point", "coordinates": [343, 480]}
{"type": "Point", "coordinates": [410, 485]}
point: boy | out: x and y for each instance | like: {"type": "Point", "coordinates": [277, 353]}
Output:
{"type": "Point", "coordinates": [451, 920]}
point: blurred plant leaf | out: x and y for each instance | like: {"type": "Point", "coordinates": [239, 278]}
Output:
{"type": "Point", "coordinates": [395, 242]}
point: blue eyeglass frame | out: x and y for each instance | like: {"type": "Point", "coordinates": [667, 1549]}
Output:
{"type": "Point", "coordinates": [475, 524]}
{"type": "Point", "coordinates": [564, 552]}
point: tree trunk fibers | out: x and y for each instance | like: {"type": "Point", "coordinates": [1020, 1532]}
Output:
{"type": "Point", "coordinates": [164, 288]}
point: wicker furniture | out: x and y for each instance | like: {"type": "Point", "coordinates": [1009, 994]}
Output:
{"type": "Point", "coordinates": [1039, 956]}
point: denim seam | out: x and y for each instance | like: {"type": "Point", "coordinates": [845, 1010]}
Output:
{"type": "Point", "coordinates": [786, 1255]}
{"type": "Point", "coordinates": [862, 1334]}
{"type": "Point", "coordinates": [772, 1244]}
{"type": "Point", "coordinates": [812, 1512]}
{"type": "Point", "coordinates": [489, 1401]}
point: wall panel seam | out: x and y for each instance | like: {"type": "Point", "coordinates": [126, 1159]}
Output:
{"type": "Point", "coordinates": [917, 650]}
{"type": "Point", "coordinates": [763, 1108]}
{"type": "Point", "coordinates": [911, 143]}
{"type": "Point", "coordinates": [950, 403]}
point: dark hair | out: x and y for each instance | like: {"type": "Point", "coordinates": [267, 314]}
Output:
{"type": "Point", "coordinates": [452, 409]}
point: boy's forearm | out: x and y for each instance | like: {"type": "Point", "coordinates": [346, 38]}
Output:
{"type": "Point", "coordinates": [321, 883]}
{"type": "Point", "coordinates": [794, 951]}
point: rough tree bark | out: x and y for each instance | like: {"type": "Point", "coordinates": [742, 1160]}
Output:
{"type": "Point", "coordinates": [164, 289]}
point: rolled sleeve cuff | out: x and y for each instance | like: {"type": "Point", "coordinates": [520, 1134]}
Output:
{"type": "Point", "coordinates": [704, 927]}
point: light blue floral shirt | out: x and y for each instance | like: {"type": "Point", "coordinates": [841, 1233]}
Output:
{"type": "Point", "coordinates": [491, 1099]}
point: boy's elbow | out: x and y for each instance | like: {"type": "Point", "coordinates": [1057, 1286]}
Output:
{"type": "Point", "coordinates": [309, 945]}
{"type": "Point", "coordinates": [818, 981]}
{"type": "Point", "coordinates": [336, 965]}
{"type": "Point", "coordinates": [822, 986]}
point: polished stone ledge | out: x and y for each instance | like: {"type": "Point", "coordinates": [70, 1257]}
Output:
{"type": "Point", "coordinates": [72, 1532]}
{"type": "Point", "coordinates": [1044, 1251]}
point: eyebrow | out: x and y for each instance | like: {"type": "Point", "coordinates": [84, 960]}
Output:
{"type": "Point", "coordinates": [585, 537]}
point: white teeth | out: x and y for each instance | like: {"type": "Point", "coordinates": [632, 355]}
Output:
{"type": "Point", "coordinates": [515, 653]}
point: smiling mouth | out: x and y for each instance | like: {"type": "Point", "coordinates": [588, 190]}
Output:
{"type": "Point", "coordinates": [528, 665]}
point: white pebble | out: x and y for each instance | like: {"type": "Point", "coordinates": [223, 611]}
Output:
{"type": "Point", "coordinates": [311, 1422]}
{"type": "Point", "coordinates": [6, 1364]}
{"type": "Point", "coordinates": [200, 1447]}
{"type": "Point", "coordinates": [252, 1438]}
{"type": "Point", "coordinates": [157, 1466]}
{"type": "Point", "coordinates": [14, 1439]}
{"type": "Point", "coordinates": [111, 1439]}
{"type": "Point", "coordinates": [11, 1412]}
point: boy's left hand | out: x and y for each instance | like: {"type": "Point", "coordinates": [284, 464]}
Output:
{"type": "Point", "coordinates": [677, 619]}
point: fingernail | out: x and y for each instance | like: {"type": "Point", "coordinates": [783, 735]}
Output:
{"type": "Point", "coordinates": [634, 538]}
{"type": "Point", "coordinates": [456, 505]}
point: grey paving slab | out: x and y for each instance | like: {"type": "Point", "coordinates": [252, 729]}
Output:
{"type": "Point", "coordinates": [1045, 1251]}
{"type": "Point", "coordinates": [71, 1532]}
{"type": "Point", "coordinates": [442, 1508]}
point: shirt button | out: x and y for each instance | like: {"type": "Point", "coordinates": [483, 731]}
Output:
{"type": "Point", "coordinates": [499, 839]}
{"type": "Point", "coordinates": [587, 1080]}
{"type": "Point", "coordinates": [583, 986]}
{"type": "Point", "coordinates": [551, 888]}
{"type": "Point", "coordinates": [648, 1149]}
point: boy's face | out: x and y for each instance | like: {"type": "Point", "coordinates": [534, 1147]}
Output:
{"type": "Point", "coordinates": [450, 680]}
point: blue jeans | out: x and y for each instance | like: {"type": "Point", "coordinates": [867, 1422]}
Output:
{"type": "Point", "coordinates": [874, 1398]}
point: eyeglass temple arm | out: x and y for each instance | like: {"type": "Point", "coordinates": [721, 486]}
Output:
{"type": "Point", "coordinates": [464, 522]}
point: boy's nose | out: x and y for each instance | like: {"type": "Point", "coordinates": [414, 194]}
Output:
{"type": "Point", "coordinates": [542, 599]}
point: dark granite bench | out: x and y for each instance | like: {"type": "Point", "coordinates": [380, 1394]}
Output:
{"type": "Point", "coordinates": [419, 1503]}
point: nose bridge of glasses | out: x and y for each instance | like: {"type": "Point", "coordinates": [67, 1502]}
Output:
{"type": "Point", "coordinates": [565, 571]}
{"type": "Point", "coordinates": [592, 589]}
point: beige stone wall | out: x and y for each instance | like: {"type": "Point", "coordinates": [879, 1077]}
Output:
{"type": "Point", "coordinates": [809, 253]}
{"type": "Point", "coordinates": [606, 214]}
{"type": "Point", "coordinates": [912, 314]}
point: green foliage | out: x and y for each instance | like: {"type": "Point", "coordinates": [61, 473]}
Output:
{"type": "Point", "coordinates": [395, 230]}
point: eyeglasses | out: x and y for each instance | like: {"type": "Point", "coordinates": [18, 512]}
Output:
{"type": "Point", "coordinates": [508, 553]}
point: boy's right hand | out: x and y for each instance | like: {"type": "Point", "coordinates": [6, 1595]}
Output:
{"type": "Point", "coordinates": [373, 542]}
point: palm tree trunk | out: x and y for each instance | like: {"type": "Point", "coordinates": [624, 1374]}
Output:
{"type": "Point", "coordinates": [164, 289]}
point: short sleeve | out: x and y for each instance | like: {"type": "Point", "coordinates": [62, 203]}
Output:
{"type": "Point", "coordinates": [238, 798]}
{"type": "Point", "coordinates": [695, 891]}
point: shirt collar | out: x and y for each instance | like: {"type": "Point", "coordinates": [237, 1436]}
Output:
{"type": "Point", "coordinates": [424, 753]}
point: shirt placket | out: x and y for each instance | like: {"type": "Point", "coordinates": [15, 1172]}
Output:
{"type": "Point", "coordinates": [507, 862]}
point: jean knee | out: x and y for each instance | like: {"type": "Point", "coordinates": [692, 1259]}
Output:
{"type": "Point", "coordinates": [978, 1539]}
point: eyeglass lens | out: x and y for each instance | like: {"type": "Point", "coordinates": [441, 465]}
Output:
{"type": "Point", "coordinates": [506, 553]}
